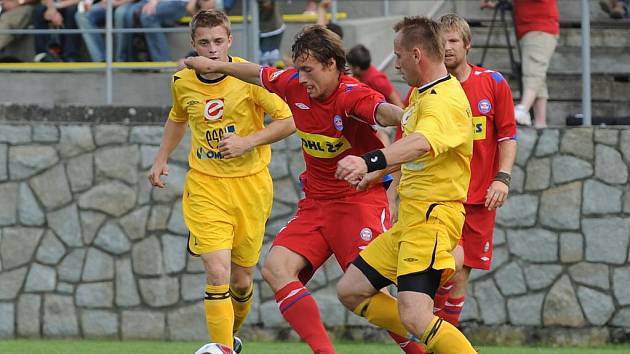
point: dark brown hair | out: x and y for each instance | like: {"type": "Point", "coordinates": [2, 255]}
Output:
{"type": "Point", "coordinates": [421, 32]}
{"type": "Point", "coordinates": [209, 19]}
{"type": "Point", "coordinates": [321, 43]}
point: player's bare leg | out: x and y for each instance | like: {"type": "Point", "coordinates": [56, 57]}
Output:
{"type": "Point", "coordinates": [217, 303]}
{"type": "Point", "coordinates": [281, 270]}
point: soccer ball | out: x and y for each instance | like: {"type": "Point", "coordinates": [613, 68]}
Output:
{"type": "Point", "coordinates": [214, 348]}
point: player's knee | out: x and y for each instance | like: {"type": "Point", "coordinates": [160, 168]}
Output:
{"type": "Point", "coordinates": [415, 317]}
{"type": "Point", "coordinates": [347, 294]}
{"type": "Point", "coordinates": [271, 271]}
{"type": "Point", "coordinates": [217, 274]}
{"type": "Point", "coordinates": [241, 286]}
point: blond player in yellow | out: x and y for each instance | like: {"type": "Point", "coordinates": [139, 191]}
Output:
{"type": "Point", "coordinates": [228, 193]}
{"type": "Point", "coordinates": [434, 156]}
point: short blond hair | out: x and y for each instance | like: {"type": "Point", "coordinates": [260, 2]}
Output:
{"type": "Point", "coordinates": [421, 32]}
{"type": "Point", "coordinates": [209, 19]}
{"type": "Point", "coordinates": [455, 23]}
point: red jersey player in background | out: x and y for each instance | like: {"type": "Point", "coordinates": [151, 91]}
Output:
{"type": "Point", "coordinates": [334, 116]}
{"type": "Point", "coordinates": [494, 151]}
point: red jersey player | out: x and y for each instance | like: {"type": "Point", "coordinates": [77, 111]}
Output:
{"type": "Point", "coordinates": [334, 116]}
{"type": "Point", "coordinates": [494, 151]}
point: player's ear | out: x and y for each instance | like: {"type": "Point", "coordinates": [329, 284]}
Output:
{"type": "Point", "coordinates": [230, 39]}
{"type": "Point", "coordinates": [417, 54]}
{"type": "Point", "coordinates": [331, 63]}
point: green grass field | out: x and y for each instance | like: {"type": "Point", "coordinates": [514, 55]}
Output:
{"type": "Point", "coordinates": [155, 347]}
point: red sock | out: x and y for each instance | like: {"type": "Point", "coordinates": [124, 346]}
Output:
{"type": "Point", "coordinates": [441, 295]}
{"type": "Point", "coordinates": [452, 310]}
{"type": "Point", "coordinates": [406, 345]}
{"type": "Point", "coordinates": [300, 309]}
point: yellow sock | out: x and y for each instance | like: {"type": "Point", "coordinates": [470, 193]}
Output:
{"type": "Point", "coordinates": [219, 314]}
{"type": "Point", "coordinates": [382, 310]}
{"type": "Point", "coordinates": [443, 338]}
{"type": "Point", "coordinates": [241, 304]}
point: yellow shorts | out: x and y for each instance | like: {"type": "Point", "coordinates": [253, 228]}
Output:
{"type": "Point", "coordinates": [227, 213]}
{"type": "Point", "coordinates": [423, 238]}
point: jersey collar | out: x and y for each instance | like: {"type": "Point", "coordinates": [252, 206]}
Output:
{"type": "Point", "coordinates": [425, 87]}
{"type": "Point", "coordinates": [207, 81]}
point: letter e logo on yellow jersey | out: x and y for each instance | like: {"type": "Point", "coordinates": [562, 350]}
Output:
{"type": "Point", "coordinates": [213, 110]}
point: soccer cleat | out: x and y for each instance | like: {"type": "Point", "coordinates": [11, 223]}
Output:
{"type": "Point", "coordinates": [238, 345]}
{"type": "Point", "coordinates": [522, 116]}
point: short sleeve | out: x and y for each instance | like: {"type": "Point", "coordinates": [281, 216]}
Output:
{"type": "Point", "coordinates": [177, 113]}
{"type": "Point", "coordinates": [504, 121]}
{"type": "Point", "coordinates": [441, 128]}
{"type": "Point", "coordinates": [271, 103]}
{"type": "Point", "coordinates": [276, 80]}
{"type": "Point", "coordinates": [361, 102]}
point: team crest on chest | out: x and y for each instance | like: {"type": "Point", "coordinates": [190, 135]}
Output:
{"type": "Point", "coordinates": [213, 110]}
{"type": "Point", "coordinates": [338, 122]}
{"type": "Point", "coordinates": [484, 106]}
{"type": "Point", "coordinates": [366, 234]}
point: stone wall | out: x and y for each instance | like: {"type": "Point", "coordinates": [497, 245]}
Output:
{"type": "Point", "coordinates": [88, 249]}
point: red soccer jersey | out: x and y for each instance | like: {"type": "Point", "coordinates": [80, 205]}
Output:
{"type": "Point", "coordinates": [490, 98]}
{"type": "Point", "coordinates": [378, 81]}
{"type": "Point", "coordinates": [536, 15]}
{"type": "Point", "coordinates": [331, 129]}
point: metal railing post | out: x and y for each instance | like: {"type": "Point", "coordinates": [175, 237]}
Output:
{"type": "Point", "coordinates": [333, 11]}
{"type": "Point", "coordinates": [386, 8]}
{"type": "Point", "coordinates": [255, 31]}
{"type": "Point", "coordinates": [108, 52]}
{"type": "Point", "coordinates": [586, 64]}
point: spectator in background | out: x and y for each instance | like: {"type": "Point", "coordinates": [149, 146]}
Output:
{"type": "Point", "coordinates": [615, 8]}
{"type": "Point", "coordinates": [311, 7]}
{"type": "Point", "coordinates": [158, 14]}
{"type": "Point", "coordinates": [14, 14]}
{"type": "Point", "coordinates": [56, 47]}
{"type": "Point", "coordinates": [272, 28]}
{"type": "Point", "coordinates": [92, 16]}
{"type": "Point", "coordinates": [322, 18]}
{"type": "Point", "coordinates": [537, 30]}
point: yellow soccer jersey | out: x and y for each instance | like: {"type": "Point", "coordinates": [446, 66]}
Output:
{"type": "Point", "coordinates": [214, 108]}
{"type": "Point", "coordinates": [440, 111]}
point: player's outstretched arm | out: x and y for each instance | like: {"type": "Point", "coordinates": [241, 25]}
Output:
{"type": "Point", "coordinates": [173, 134]}
{"type": "Point", "coordinates": [388, 114]}
{"type": "Point", "coordinates": [248, 72]}
{"type": "Point", "coordinates": [233, 145]}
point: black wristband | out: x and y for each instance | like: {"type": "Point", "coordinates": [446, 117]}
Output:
{"type": "Point", "coordinates": [375, 160]}
{"type": "Point", "coordinates": [503, 177]}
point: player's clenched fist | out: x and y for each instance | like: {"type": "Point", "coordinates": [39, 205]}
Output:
{"type": "Point", "coordinates": [158, 169]}
{"type": "Point", "coordinates": [200, 64]}
{"type": "Point", "coordinates": [351, 169]}
{"type": "Point", "coordinates": [233, 145]}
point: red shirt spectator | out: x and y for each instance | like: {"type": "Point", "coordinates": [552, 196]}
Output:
{"type": "Point", "coordinates": [536, 15]}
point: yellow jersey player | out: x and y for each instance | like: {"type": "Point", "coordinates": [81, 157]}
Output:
{"type": "Point", "coordinates": [228, 193]}
{"type": "Point", "coordinates": [434, 155]}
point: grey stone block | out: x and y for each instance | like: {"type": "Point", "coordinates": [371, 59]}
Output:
{"type": "Point", "coordinates": [621, 285]}
{"type": "Point", "coordinates": [181, 152]}
{"type": "Point", "coordinates": [592, 274]}
{"type": "Point", "coordinates": [270, 315]}
{"type": "Point", "coordinates": [7, 320]}
{"type": "Point", "coordinates": [29, 211]}
{"type": "Point", "coordinates": [110, 134]}
{"type": "Point", "coordinates": [193, 287]}
{"type": "Point", "coordinates": [622, 318]}
{"type": "Point", "coordinates": [28, 160]}
{"type": "Point", "coordinates": [98, 266]}
{"type": "Point", "coordinates": [195, 265]}
{"type": "Point", "coordinates": [80, 171]}
{"type": "Point", "coordinates": [526, 141]}
{"type": "Point", "coordinates": [126, 288]}
{"type": "Point", "coordinates": [470, 312]}
{"type": "Point", "coordinates": [146, 257]}
{"type": "Point", "coordinates": [600, 198]}
{"type": "Point", "coordinates": [147, 155]}
{"type": "Point", "coordinates": [144, 189]}
{"type": "Point", "coordinates": [538, 174]}
{"type": "Point", "coordinates": [284, 191]}
{"type": "Point", "coordinates": [65, 288]}
{"type": "Point", "coordinates": [510, 280]}
{"type": "Point", "coordinates": [95, 295]}
{"type": "Point", "coordinates": [159, 217]}
{"type": "Point", "coordinates": [500, 256]}
{"type": "Point", "coordinates": [15, 134]}
{"type": "Point", "coordinates": [40, 278]}
{"type": "Point", "coordinates": [536, 245]}
{"type": "Point", "coordinates": [71, 266]}
{"type": "Point", "coordinates": [566, 168]}
{"type": "Point", "coordinates": [609, 166]}
{"type": "Point", "coordinates": [28, 315]}
{"type": "Point", "coordinates": [540, 276]}
{"type": "Point", "coordinates": [499, 236]}
{"type": "Point", "coordinates": [146, 135]}
{"type": "Point", "coordinates": [60, 318]}
{"type": "Point", "coordinates": [561, 307]}
{"type": "Point", "coordinates": [99, 324]}
{"type": "Point", "coordinates": [518, 210]}
{"type": "Point", "coordinates": [491, 303]}
{"type": "Point", "coordinates": [598, 306]}
{"type": "Point", "coordinates": [51, 187]}
{"type": "Point", "coordinates": [4, 173]}
{"type": "Point", "coordinates": [624, 144]}
{"type": "Point", "coordinates": [65, 223]}
{"type": "Point", "coordinates": [332, 311]}
{"type": "Point", "coordinates": [548, 143]}
{"type": "Point", "coordinates": [159, 292]}
{"type": "Point", "coordinates": [113, 198]}
{"type": "Point", "coordinates": [11, 282]}
{"type": "Point", "coordinates": [18, 245]}
{"type": "Point", "coordinates": [109, 162]}
{"type": "Point", "coordinates": [187, 323]}
{"type": "Point", "coordinates": [571, 247]}
{"type": "Point", "coordinates": [526, 310]}
{"type": "Point", "coordinates": [174, 252]}
{"type": "Point", "coordinates": [45, 134]}
{"type": "Point", "coordinates": [8, 208]}
{"type": "Point", "coordinates": [518, 180]}
{"type": "Point", "coordinates": [174, 185]}
{"type": "Point", "coordinates": [51, 250]}
{"type": "Point", "coordinates": [176, 222]}
{"type": "Point", "coordinates": [135, 223]}
{"type": "Point", "coordinates": [606, 239]}
{"type": "Point", "coordinates": [560, 207]}
{"type": "Point", "coordinates": [91, 221]}
{"type": "Point", "coordinates": [608, 136]}
{"type": "Point", "coordinates": [578, 142]}
{"type": "Point", "coordinates": [279, 166]}
{"type": "Point", "coordinates": [112, 239]}
{"type": "Point", "coordinates": [75, 140]}
{"type": "Point", "coordinates": [143, 325]}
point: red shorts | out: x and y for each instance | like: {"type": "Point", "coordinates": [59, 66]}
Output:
{"type": "Point", "coordinates": [343, 227]}
{"type": "Point", "coordinates": [477, 236]}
